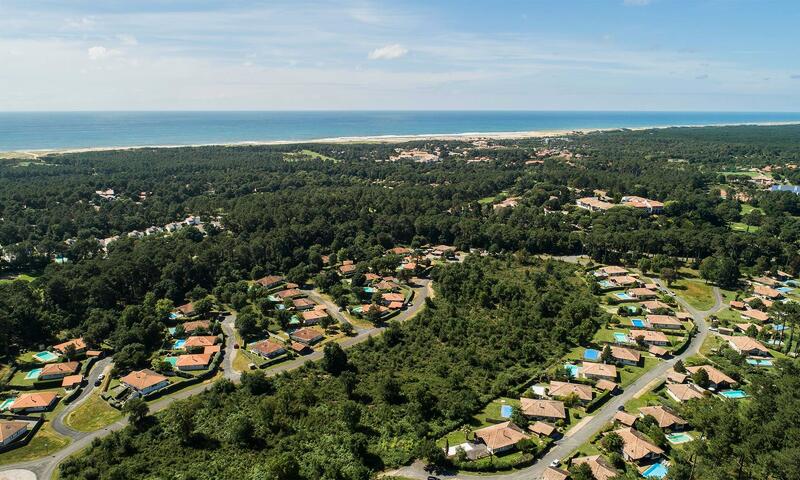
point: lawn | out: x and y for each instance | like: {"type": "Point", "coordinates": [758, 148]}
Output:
{"type": "Point", "coordinates": [743, 227]}
{"type": "Point", "coordinates": [628, 374]}
{"type": "Point", "coordinates": [309, 153]}
{"type": "Point", "coordinates": [696, 293]}
{"type": "Point", "coordinates": [480, 420]}
{"type": "Point", "coordinates": [22, 276]}
{"type": "Point", "coordinates": [93, 414]}
{"type": "Point", "coordinates": [44, 443]}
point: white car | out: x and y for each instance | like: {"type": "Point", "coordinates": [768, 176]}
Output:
{"type": "Point", "coordinates": [555, 463]}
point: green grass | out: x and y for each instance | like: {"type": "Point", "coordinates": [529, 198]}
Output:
{"type": "Point", "coordinates": [747, 208]}
{"type": "Point", "coordinates": [742, 227]}
{"type": "Point", "coordinates": [93, 414]}
{"type": "Point", "coordinates": [480, 420]}
{"type": "Point", "coordinates": [628, 374]}
{"type": "Point", "coordinates": [309, 153]}
{"type": "Point", "coordinates": [696, 293]}
{"type": "Point", "coordinates": [22, 276]}
{"type": "Point", "coordinates": [46, 442]}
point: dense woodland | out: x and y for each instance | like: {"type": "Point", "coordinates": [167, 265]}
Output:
{"type": "Point", "coordinates": [281, 209]}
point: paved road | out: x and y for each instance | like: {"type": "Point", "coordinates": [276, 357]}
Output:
{"type": "Point", "coordinates": [565, 446]}
{"type": "Point", "coordinates": [44, 468]}
{"type": "Point", "coordinates": [58, 421]}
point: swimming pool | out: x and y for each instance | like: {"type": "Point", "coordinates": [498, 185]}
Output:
{"type": "Point", "coordinates": [370, 289]}
{"type": "Point", "coordinates": [657, 470]}
{"type": "Point", "coordinates": [679, 437]}
{"type": "Point", "coordinates": [637, 322]}
{"type": "Point", "coordinates": [760, 362]}
{"type": "Point", "coordinates": [33, 374]}
{"type": "Point", "coordinates": [623, 296]}
{"type": "Point", "coordinates": [784, 289]}
{"type": "Point", "coordinates": [171, 330]}
{"type": "Point", "coordinates": [45, 356]}
{"type": "Point", "coordinates": [171, 360]}
{"type": "Point", "coordinates": [780, 328]}
{"type": "Point", "coordinates": [591, 354]}
{"type": "Point", "coordinates": [7, 403]}
{"type": "Point", "coordinates": [572, 370]}
{"type": "Point", "coordinates": [734, 394]}
{"type": "Point", "coordinates": [505, 411]}
{"type": "Point", "coordinates": [178, 344]}
{"type": "Point", "coordinates": [620, 337]}
{"type": "Point", "coordinates": [173, 316]}
{"type": "Point", "coordinates": [605, 284]}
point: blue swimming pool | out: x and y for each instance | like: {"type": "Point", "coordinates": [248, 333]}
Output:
{"type": "Point", "coordinates": [760, 362]}
{"type": "Point", "coordinates": [657, 470]}
{"type": "Point", "coordinates": [623, 296]}
{"type": "Point", "coordinates": [33, 374]}
{"type": "Point", "coordinates": [45, 357]}
{"type": "Point", "coordinates": [621, 337]}
{"type": "Point", "coordinates": [173, 316]}
{"type": "Point", "coordinates": [171, 360]}
{"type": "Point", "coordinates": [779, 328]}
{"type": "Point", "coordinates": [370, 289]}
{"type": "Point", "coordinates": [734, 394]}
{"type": "Point", "coordinates": [171, 330]}
{"type": "Point", "coordinates": [784, 289]}
{"type": "Point", "coordinates": [605, 284]}
{"type": "Point", "coordinates": [178, 344]}
{"type": "Point", "coordinates": [505, 411]}
{"type": "Point", "coordinates": [591, 354]}
{"type": "Point", "coordinates": [6, 403]}
{"type": "Point", "coordinates": [680, 437]}
{"type": "Point", "coordinates": [637, 322]}
{"type": "Point", "coordinates": [572, 370]}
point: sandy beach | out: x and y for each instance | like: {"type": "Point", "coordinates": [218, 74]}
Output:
{"type": "Point", "coordinates": [465, 137]}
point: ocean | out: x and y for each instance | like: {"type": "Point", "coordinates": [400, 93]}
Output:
{"type": "Point", "coordinates": [67, 130]}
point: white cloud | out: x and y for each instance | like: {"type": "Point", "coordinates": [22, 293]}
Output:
{"type": "Point", "coordinates": [389, 52]}
{"type": "Point", "coordinates": [128, 40]}
{"type": "Point", "coordinates": [83, 23]}
{"type": "Point", "coordinates": [636, 3]}
{"type": "Point", "coordinates": [99, 53]}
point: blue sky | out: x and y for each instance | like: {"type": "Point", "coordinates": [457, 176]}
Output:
{"type": "Point", "coordinates": [363, 54]}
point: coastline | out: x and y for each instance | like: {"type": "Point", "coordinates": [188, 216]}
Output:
{"type": "Point", "coordinates": [388, 139]}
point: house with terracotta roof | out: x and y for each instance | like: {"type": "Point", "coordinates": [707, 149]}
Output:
{"type": "Point", "coordinates": [606, 385]}
{"type": "Point", "coordinates": [302, 304]}
{"type": "Point", "coordinates": [542, 429]}
{"type": "Point", "coordinates": [642, 293]}
{"type": "Point", "coordinates": [309, 336]}
{"type": "Point", "coordinates": [767, 292]}
{"type": "Point", "coordinates": [594, 204]}
{"type": "Point", "coordinates": [717, 379]}
{"type": "Point", "coordinates": [625, 356]}
{"type": "Point", "coordinates": [193, 326]}
{"type": "Point", "coordinates": [598, 371]}
{"type": "Point", "coordinates": [641, 203]}
{"type": "Point", "coordinates": [770, 282]}
{"type": "Point", "coordinates": [288, 293]}
{"type": "Point", "coordinates": [667, 419]}
{"type": "Point", "coordinates": [71, 381]}
{"type": "Point", "coordinates": [657, 351]}
{"type": "Point", "coordinates": [199, 342]}
{"type": "Point", "coordinates": [300, 349]}
{"type": "Point", "coordinates": [737, 305]}
{"type": "Point", "coordinates": [543, 409]}
{"type": "Point", "coordinates": [676, 377]}
{"type": "Point", "coordinates": [612, 271]}
{"type": "Point", "coordinates": [637, 447]}
{"type": "Point", "coordinates": [667, 322]}
{"type": "Point", "coordinates": [144, 382]}
{"type": "Point", "coordinates": [268, 348]}
{"type": "Point", "coordinates": [601, 469]}
{"type": "Point", "coordinates": [387, 286]}
{"type": "Point", "coordinates": [78, 343]}
{"type": "Point", "coordinates": [313, 317]}
{"type": "Point", "coordinates": [34, 402]}
{"type": "Point", "coordinates": [11, 430]}
{"type": "Point", "coordinates": [650, 337]}
{"type": "Point", "coordinates": [625, 281]}
{"type": "Point", "coordinates": [625, 418]}
{"type": "Point", "coordinates": [501, 437]}
{"type": "Point", "coordinates": [393, 298]}
{"type": "Point", "coordinates": [399, 250]}
{"type": "Point", "coordinates": [682, 392]}
{"type": "Point", "coordinates": [347, 269]}
{"type": "Point", "coordinates": [748, 346]}
{"type": "Point", "coordinates": [565, 389]}
{"type": "Point", "coordinates": [270, 281]}
{"type": "Point", "coordinates": [185, 310]}
{"type": "Point", "coordinates": [193, 361]}
{"type": "Point", "coordinates": [652, 306]}
{"type": "Point", "coordinates": [753, 314]}
{"type": "Point", "coordinates": [52, 371]}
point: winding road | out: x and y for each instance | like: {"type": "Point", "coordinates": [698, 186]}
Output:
{"type": "Point", "coordinates": [44, 468]}
{"type": "Point", "coordinates": [588, 428]}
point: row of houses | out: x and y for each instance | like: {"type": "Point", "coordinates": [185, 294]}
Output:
{"type": "Point", "coordinates": [602, 204]}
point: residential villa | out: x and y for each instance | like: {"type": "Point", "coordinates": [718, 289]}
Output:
{"type": "Point", "coordinates": [753, 314]}
{"type": "Point", "coordinates": [676, 377]}
{"type": "Point", "coordinates": [666, 418]}
{"type": "Point", "coordinates": [598, 371]}
{"type": "Point", "coordinates": [301, 304]}
{"type": "Point", "coordinates": [77, 343]}
{"type": "Point", "coordinates": [625, 418]}
{"type": "Point", "coordinates": [667, 322]}
{"type": "Point", "coordinates": [288, 293]}
{"type": "Point", "coordinates": [542, 429]}
{"type": "Point", "coordinates": [193, 361]}
{"type": "Point", "coordinates": [313, 317]}
{"type": "Point", "coordinates": [193, 326]}
{"type": "Point", "coordinates": [767, 292]}
{"type": "Point", "coordinates": [11, 430]}
{"type": "Point", "coordinates": [748, 346]}
{"type": "Point", "coordinates": [594, 204]}
{"type": "Point", "coordinates": [347, 269]}
{"type": "Point", "coordinates": [650, 337]}
{"type": "Point", "coordinates": [636, 447]}
{"type": "Point", "coordinates": [144, 382]}
{"type": "Point", "coordinates": [71, 381]}
{"type": "Point", "coordinates": [601, 469]}
{"type": "Point", "coordinates": [553, 473]}
{"type": "Point", "coordinates": [543, 409]}
{"type": "Point", "coordinates": [393, 300]}
{"type": "Point", "coordinates": [53, 371]}
{"type": "Point", "coordinates": [611, 271]}
{"type": "Point", "coordinates": [268, 349]}
{"type": "Point", "coordinates": [199, 342]}
{"type": "Point", "coordinates": [501, 437]}
{"type": "Point", "coordinates": [642, 293]}
{"type": "Point", "coordinates": [625, 356]}
{"type": "Point", "coordinates": [308, 336]}
{"type": "Point", "coordinates": [270, 281]}
{"type": "Point", "coordinates": [185, 310]}
{"type": "Point", "coordinates": [564, 389]}
{"type": "Point", "coordinates": [34, 402]}
{"type": "Point", "coordinates": [651, 206]}
{"type": "Point", "coordinates": [682, 392]}
{"type": "Point", "coordinates": [653, 306]}
{"type": "Point", "coordinates": [717, 379]}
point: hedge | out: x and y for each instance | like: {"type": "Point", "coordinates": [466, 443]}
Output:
{"type": "Point", "coordinates": [598, 401]}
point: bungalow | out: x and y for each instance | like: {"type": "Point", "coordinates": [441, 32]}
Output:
{"type": "Point", "coordinates": [270, 281]}
{"type": "Point", "coordinates": [409, 266]}
{"type": "Point", "coordinates": [71, 381]}
{"type": "Point", "coordinates": [664, 321]}
{"type": "Point", "coordinates": [193, 361]}
{"type": "Point", "coordinates": [657, 351]}
{"type": "Point", "coordinates": [303, 304]}
{"type": "Point", "coordinates": [564, 389]}
{"type": "Point", "coordinates": [716, 378]}
{"type": "Point", "coordinates": [737, 305]}
{"type": "Point", "coordinates": [212, 349]}
{"type": "Point", "coordinates": [641, 203]}
{"type": "Point", "coordinates": [313, 317]}
{"type": "Point", "coordinates": [52, 371]}
{"type": "Point", "coordinates": [77, 343]}
{"type": "Point", "coordinates": [347, 269]}
{"type": "Point", "coordinates": [366, 308]}
{"type": "Point", "coordinates": [371, 277]}
{"type": "Point", "coordinates": [501, 437]}
{"type": "Point", "coordinates": [642, 293]}
{"type": "Point", "coordinates": [611, 271]}
{"type": "Point", "coordinates": [625, 356]}
{"type": "Point", "coordinates": [543, 409]}
{"type": "Point", "coordinates": [144, 382]}
{"type": "Point", "coordinates": [598, 371]}
{"type": "Point", "coordinates": [268, 349]}
{"type": "Point", "coordinates": [289, 293]}
{"type": "Point", "coordinates": [185, 310]}
{"type": "Point", "coordinates": [606, 385]}
{"type": "Point", "coordinates": [684, 316]}
{"type": "Point", "coordinates": [744, 327]}
{"type": "Point", "coordinates": [681, 392]}
{"type": "Point", "coordinates": [542, 429]}
{"type": "Point", "coordinates": [674, 376]}
{"type": "Point", "coordinates": [386, 285]}
{"type": "Point", "coordinates": [770, 282]}
{"type": "Point", "coordinates": [625, 418]}
{"type": "Point", "coordinates": [199, 342]}
{"type": "Point", "coordinates": [636, 447]}
{"type": "Point", "coordinates": [300, 349]}
{"type": "Point", "coordinates": [653, 306]}
{"type": "Point", "coordinates": [748, 346]}
{"type": "Point", "coordinates": [601, 469]}
{"type": "Point", "coordinates": [553, 473]}
{"type": "Point", "coordinates": [393, 298]}
{"type": "Point", "coordinates": [756, 315]}
{"type": "Point", "coordinates": [193, 326]}
{"type": "Point", "coordinates": [593, 204]}
{"type": "Point", "coordinates": [666, 417]}
{"type": "Point", "coordinates": [399, 250]}
{"type": "Point", "coordinates": [767, 302]}
{"type": "Point", "coordinates": [767, 292]}
{"type": "Point", "coordinates": [11, 430]}
{"type": "Point", "coordinates": [650, 337]}
{"type": "Point", "coordinates": [625, 281]}
{"type": "Point", "coordinates": [34, 402]}
{"type": "Point", "coordinates": [309, 336]}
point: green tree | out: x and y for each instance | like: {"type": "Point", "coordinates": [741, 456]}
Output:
{"type": "Point", "coordinates": [334, 360]}
{"type": "Point", "coordinates": [612, 442]}
{"type": "Point", "coordinates": [137, 411]}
